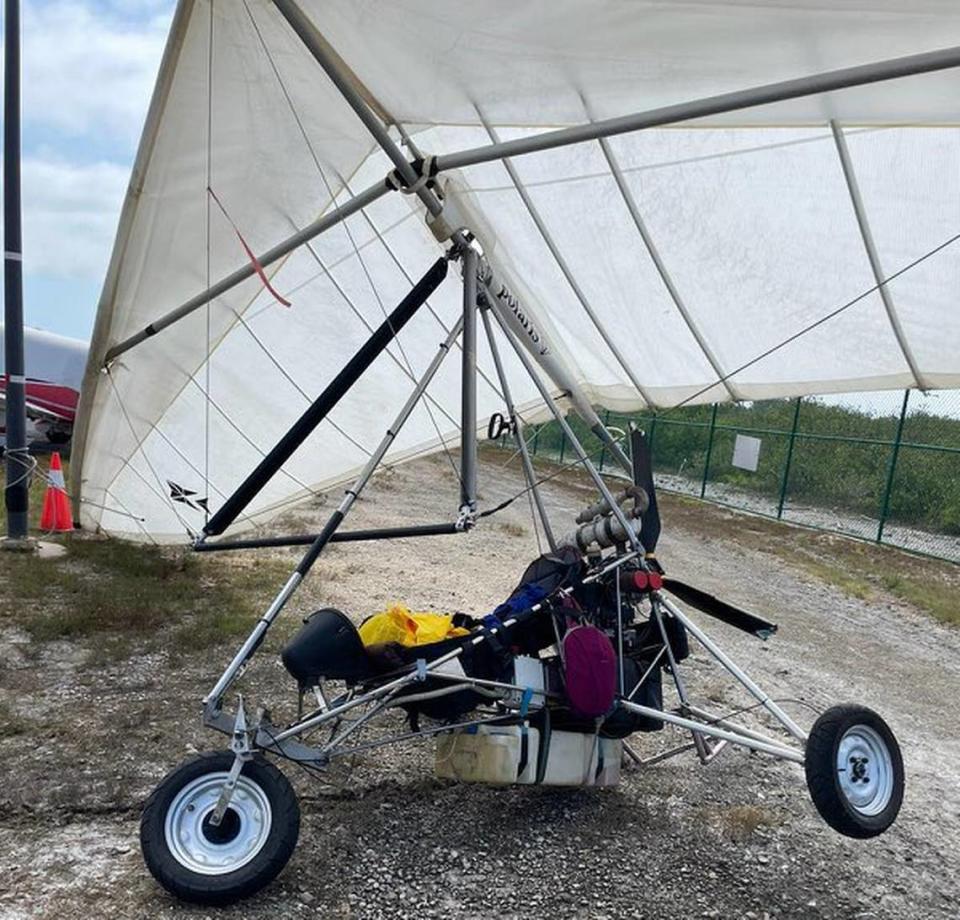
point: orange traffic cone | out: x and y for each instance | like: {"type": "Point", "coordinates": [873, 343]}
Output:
{"type": "Point", "coordinates": [56, 515]}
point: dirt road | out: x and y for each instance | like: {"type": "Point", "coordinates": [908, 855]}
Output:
{"type": "Point", "coordinates": [738, 838]}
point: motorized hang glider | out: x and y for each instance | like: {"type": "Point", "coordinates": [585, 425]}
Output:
{"type": "Point", "coordinates": [647, 205]}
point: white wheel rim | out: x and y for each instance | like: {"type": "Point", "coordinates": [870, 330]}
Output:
{"type": "Point", "coordinates": [865, 770]}
{"type": "Point", "coordinates": [244, 832]}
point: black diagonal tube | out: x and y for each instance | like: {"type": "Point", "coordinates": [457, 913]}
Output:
{"type": "Point", "coordinates": [334, 392]}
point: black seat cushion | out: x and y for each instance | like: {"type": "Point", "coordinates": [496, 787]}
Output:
{"type": "Point", "coordinates": [327, 647]}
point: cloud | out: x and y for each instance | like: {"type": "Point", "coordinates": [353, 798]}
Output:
{"type": "Point", "coordinates": [70, 216]}
{"type": "Point", "coordinates": [88, 71]}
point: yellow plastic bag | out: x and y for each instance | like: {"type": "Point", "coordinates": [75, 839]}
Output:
{"type": "Point", "coordinates": [435, 627]}
{"type": "Point", "coordinates": [400, 624]}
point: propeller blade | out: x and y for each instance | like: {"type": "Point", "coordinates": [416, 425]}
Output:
{"type": "Point", "coordinates": [643, 477]}
{"type": "Point", "coordinates": [707, 603]}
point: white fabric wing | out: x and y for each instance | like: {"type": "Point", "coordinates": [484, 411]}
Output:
{"type": "Point", "coordinates": [749, 215]}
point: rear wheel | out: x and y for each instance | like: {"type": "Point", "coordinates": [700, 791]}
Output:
{"type": "Point", "coordinates": [197, 861]}
{"type": "Point", "coordinates": [854, 771]}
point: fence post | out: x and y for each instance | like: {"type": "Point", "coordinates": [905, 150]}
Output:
{"type": "Point", "coordinates": [706, 460]}
{"type": "Point", "coordinates": [603, 450]}
{"type": "Point", "coordinates": [789, 459]}
{"type": "Point", "coordinates": [892, 466]}
{"type": "Point", "coordinates": [536, 438]}
{"type": "Point", "coordinates": [563, 444]}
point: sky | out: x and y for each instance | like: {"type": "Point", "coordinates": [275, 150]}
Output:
{"type": "Point", "coordinates": [88, 71]}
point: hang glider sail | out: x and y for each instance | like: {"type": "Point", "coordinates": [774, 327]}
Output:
{"type": "Point", "coordinates": [688, 202]}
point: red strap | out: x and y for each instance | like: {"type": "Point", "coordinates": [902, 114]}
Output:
{"type": "Point", "coordinates": [254, 261]}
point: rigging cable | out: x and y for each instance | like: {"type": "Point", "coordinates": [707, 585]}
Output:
{"type": "Point", "coordinates": [163, 493]}
{"type": "Point", "coordinates": [819, 322]}
{"type": "Point", "coordinates": [765, 354]}
{"type": "Point", "coordinates": [353, 243]}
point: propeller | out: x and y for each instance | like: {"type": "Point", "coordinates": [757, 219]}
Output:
{"type": "Point", "coordinates": [643, 477]}
{"type": "Point", "coordinates": [721, 610]}
{"type": "Point", "coordinates": [650, 533]}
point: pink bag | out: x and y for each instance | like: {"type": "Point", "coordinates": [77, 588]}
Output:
{"type": "Point", "coordinates": [590, 665]}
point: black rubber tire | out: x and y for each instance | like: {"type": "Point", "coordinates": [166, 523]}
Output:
{"type": "Point", "coordinates": [256, 874]}
{"type": "Point", "coordinates": [823, 779]}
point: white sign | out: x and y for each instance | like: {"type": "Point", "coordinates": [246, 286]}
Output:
{"type": "Point", "coordinates": [746, 452]}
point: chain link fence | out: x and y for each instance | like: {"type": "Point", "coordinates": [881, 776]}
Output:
{"type": "Point", "coordinates": [883, 467]}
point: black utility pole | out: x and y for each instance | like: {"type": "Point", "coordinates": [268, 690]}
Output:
{"type": "Point", "coordinates": [15, 493]}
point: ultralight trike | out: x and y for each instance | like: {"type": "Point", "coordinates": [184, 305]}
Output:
{"type": "Point", "coordinates": [543, 690]}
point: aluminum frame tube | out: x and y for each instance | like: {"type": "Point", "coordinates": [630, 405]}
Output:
{"type": "Point", "coordinates": [568, 431]}
{"type": "Point", "coordinates": [349, 536]}
{"type": "Point", "coordinates": [320, 225]}
{"type": "Point", "coordinates": [387, 689]}
{"type": "Point", "coordinates": [524, 324]}
{"type": "Point", "coordinates": [256, 637]}
{"type": "Point", "coordinates": [252, 642]}
{"type": "Point", "coordinates": [860, 211]}
{"type": "Point", "coordinates": [724, 722]}
{"type": "Point", "coordinates": [414, 736]}
{"type": "Point", "coordinates": [314, 721]}
{"type": "Point", "coordinates": [307, 33]}
{"type": "Point", "coordinates": [703, 751]}
{"type": "Point", "coordinates": [376, 458]}
{"type": "Point", "coordinates": [468, 386]}
{"type": "Point", "coordinates": [517, 424]}
{"type": "Point", "coordinates": [781, 91]}
{"type": "Point", "coordinates": [752, 688]}
{"type": "Point", "coordinates": [383, 698]}
{"type": "Point", "coordinates": [701, 728]}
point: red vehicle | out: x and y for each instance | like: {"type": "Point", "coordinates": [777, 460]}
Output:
{"type": "Point", "coordinates": [54, 367]}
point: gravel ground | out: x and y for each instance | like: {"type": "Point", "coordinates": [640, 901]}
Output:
{"type": "Point", "coordinates": [738, 838]}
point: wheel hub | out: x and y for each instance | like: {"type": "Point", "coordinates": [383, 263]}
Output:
{"type": "Point", "coordinates": [209, 849]}
{"type": "Point", "coordinates": [225, 831]}
{"type": "Point", "coordinates": [865, 770]}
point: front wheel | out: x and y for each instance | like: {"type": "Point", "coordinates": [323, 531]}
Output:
{"type": "Point", "coordinates": [854, 771]}
{"type": "Point", "coordinates": [207, 864]}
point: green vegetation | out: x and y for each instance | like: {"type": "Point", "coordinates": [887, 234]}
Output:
{"type": "Point", "coordinates": [38, 485]}
{"type": "Point", "coordinates": [860, 569]}
{"type": "Point", "coordinates": [123, 594]}
{"type": "Point", "coordinates": [841, 457]}
{"type": "Point", "coordinates": [10, 723]}
{"type": "Point", "coordinates": [937, 599]}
